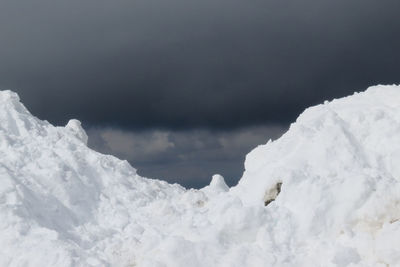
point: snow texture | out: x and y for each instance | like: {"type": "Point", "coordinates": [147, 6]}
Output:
{"type": "Point", "coordinates": [333, 181]}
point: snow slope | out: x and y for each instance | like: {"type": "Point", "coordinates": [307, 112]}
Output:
{"type": "Point", "coordinates": [331, 184]}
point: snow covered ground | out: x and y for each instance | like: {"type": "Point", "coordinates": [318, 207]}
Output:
{"type": "Point", "coordinates": [331, 185]}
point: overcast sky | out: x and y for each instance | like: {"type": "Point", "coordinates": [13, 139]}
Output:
{"type": "Point", "coordinates": [185, 88]}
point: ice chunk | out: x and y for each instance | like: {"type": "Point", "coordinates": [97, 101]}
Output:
{"type": "Point", "coordinates": [75, 127]}
{"type": "Point", "coordinates": [218, 183]}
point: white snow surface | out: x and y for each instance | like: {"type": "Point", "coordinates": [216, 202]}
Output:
{"type": "Point", "coordinates": [63, 204]}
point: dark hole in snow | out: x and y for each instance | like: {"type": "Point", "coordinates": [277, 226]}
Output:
{"type": "Point", "coordinates": [272, 193]}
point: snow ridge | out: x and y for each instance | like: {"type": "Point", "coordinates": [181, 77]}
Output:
{"type": "Point", "coordinates": [334, 179]}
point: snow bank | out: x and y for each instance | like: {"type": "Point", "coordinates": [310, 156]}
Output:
{"type": "Point", "coordinates": [331, 185]}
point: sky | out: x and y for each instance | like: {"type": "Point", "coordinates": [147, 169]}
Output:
{"type": "Point", "coordinates": [184, 89]}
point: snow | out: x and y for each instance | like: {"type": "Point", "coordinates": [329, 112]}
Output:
{"type": "Point", "coordinates": [338, 203]}
{"type": "Point", "coordinates": [75, 127]}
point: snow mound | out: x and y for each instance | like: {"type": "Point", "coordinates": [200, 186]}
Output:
{"type": "Point", "coordinates": [217, 185]}
{"type": "Point", "coordinates": [326, 193]}
{"type": "Point", "coordinates": [75, 127]}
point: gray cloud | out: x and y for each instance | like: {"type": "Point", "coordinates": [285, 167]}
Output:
{"type": "Point", "coordinates": [188, 157]}
{"type": "Point", "coordinates": [136, 146]}
{"type": "Point", "coordinates": [188, 64]}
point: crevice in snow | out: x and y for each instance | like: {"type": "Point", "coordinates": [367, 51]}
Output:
{"type": "Point", "coordinates": [272, 193]}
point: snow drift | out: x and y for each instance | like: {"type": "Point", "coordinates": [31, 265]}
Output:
{"type": "Point", "coordinates": [326, 193]}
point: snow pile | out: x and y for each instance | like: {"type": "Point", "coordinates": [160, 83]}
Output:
{"type": "Point", "coordinates": [326, 193]}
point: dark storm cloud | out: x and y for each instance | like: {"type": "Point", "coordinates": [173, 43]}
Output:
{"type": "Point", "coordinates": [189, 64]}
{"type": "Point", "coordinates": [189, 157]}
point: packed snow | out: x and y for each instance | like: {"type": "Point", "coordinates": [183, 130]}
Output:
{"type": "Point", "coordinates": [326, 193]}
